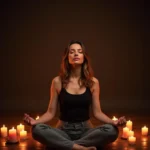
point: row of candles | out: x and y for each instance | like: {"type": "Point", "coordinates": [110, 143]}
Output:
{"type": "Point", "coordinates": [12, 134]}
{"type": "Point", "coordinates": [128, 133]}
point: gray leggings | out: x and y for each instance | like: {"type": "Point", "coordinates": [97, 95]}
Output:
{"type": "Point", "coordinates": [74, 133]}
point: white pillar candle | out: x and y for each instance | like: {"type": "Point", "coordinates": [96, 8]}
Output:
{"type": "Point", "coordinates": [114, 118]}
{"type": "Point", "coordinates": [131, 133]}
{"type": "Point", "coordinates": [144, 130]}
{"type": "Point", "coordinates": [23, 135]}
{"type": "Point", "coordinates": [129, 124]}
{"type": "Point", "coordinates": [20, 128]}
{"type": "Point", "coordinates": [3, 131]}
{"type": "Point", "coordinates": [132, 140]}
{"type": "Point", "coordinates": [125, 132]}
{"type": "Point", "coordinates": [12, 136]}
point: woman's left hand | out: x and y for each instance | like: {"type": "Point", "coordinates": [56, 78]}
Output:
{"type": "Point", "coordinates": [120, 121]}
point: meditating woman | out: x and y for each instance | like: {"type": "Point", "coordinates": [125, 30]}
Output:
{"type": "Point", "coordinates": [76, 90]}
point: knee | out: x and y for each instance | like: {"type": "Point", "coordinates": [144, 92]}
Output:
{"type": "Point", "coordinates": [36, 130]}
{"type": "Point", "coordinates": [113, 131]}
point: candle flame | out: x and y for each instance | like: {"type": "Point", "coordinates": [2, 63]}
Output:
{"type": "Point", "coordinates": [114, 118]}
{"type": "Point", "coordinates": [37, 117]}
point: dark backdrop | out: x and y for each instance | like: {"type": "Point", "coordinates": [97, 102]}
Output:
{"type": "Point", "coordinates": [34, 35]}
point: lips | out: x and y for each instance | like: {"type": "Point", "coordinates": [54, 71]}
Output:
{"type": "Point", "coordinates": [75, 58]}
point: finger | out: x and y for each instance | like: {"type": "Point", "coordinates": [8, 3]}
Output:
{"type": "Point", "coordinates": [27, 119]}
{"type": "Point", "coordinates": [25, 115]}
{"type": "Point", "coordinates": [121, 121]}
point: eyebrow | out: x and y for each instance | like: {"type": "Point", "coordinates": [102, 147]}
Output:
{"type": "Point", "coordinates": [74, 49]}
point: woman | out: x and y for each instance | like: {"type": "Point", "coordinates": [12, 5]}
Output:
{"type": "Point", "coordinates": [76, 90]}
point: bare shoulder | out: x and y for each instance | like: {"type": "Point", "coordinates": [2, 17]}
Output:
{"type": "Point", "coordinates": [56, 82]}
{"type": "Point", "coordinates": [95, 80]}
{"type": "Point", "coordinates": [95, 84]}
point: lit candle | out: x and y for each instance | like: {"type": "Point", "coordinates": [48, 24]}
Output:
{"type": "Point", "coordinates": [125, 132]}
{"type": "Point", "coordinates": [37, 117]}
{"type": "Point", "coordinates": [3, 131]}
{"type": "Point", "coordinates": [131, 133]}
{"type": "Point", "coordinates": [23, 135]}
{"type": "Point", "coordinates": [129, 124]}
{"type": "Point", "coordinates": [12, 135]}
{"type": "Point", "coordinates": [114, 118]}
{"type": "Point", "coordinates": [20, 128]}
{"type": "Point", "coordinates": [144, 130]}
{"type": "Point", "coordinates": [132, 140]}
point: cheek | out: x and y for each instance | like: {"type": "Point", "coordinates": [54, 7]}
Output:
{"type": "Point", "coordinates": [70, 58]}
{"type": "Point", "coordinates": [82, 58]}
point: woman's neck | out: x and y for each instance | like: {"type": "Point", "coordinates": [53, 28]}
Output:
{"type": "Point", "coordinates": [76, 72]}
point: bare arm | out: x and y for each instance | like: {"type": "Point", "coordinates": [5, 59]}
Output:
{"type": "Point", "coordinates": [51, 111]}
{"type": "Point", "coordinates": [97, 112]}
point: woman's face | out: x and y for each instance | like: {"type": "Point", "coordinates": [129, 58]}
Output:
{"type": "Point", "coordinates": [75, 55]}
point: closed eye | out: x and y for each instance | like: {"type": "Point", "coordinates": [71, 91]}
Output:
{"type": "Point", "coordinates": [73, 51]}
{"type": "Point", "coordinates": [80, 51]}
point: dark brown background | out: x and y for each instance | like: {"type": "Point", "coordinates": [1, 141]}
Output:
{"type": "Point", "coordinates": [34, 35]}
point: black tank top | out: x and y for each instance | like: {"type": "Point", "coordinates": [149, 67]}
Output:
{"type": "Point", "coordinates": [74, 107]}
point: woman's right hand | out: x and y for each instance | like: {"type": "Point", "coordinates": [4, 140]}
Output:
{"type": "Point", "coordinates": [29, 120]}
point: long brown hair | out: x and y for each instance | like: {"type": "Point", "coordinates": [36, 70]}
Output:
{"type": "Point", "coordinates": [86, 69]}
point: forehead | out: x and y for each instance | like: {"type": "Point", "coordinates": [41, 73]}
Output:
{"type": "Point", "coordinates": [75, 46]}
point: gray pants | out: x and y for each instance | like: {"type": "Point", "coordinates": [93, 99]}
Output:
{"type": "Point", "coordinates": [64, 136]}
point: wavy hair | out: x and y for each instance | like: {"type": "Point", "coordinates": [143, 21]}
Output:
{"type": "Point", "coordinates": [86, 69]}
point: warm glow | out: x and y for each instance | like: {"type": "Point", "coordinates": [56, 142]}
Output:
{"type": "Point", "coordinates": [144, 131]}
{"type": "Point", "coordinates": [12, 135]}
{"type": "Point", "coordinates": [23, 135]}
{"type": "Point", "coordinates": [131, 133]}
{"type": "Point", "coordinates": [20, 128]}
{"type": "Point", "coordinates": [132, 140]}
{"type": "Point", "coordinates": [125, 132]}
{"type": "Point", "coordinates": [144, 144]}
{"type": "Point", "coordinates": [37, 117]}
{"type": "Point", "coordinates": [144, 139]}
{"type": "Point", "coordinates": [129, 124]}
{"type": "Point", "coordinates": [3, 131]}
{"type": "Point", "coordinates": [114, 118]}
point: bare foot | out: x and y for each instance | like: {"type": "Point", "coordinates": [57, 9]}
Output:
{"type": "Point", "coordinates": [91, 148]}
{"type": "Point", "coordinates": [79, 147]}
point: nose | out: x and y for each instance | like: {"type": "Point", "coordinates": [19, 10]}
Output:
{"type": "Point", "coordinates": [76, 53]}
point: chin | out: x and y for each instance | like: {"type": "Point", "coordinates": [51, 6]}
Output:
{"type": "Point", "coordinates": [76, 64]}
